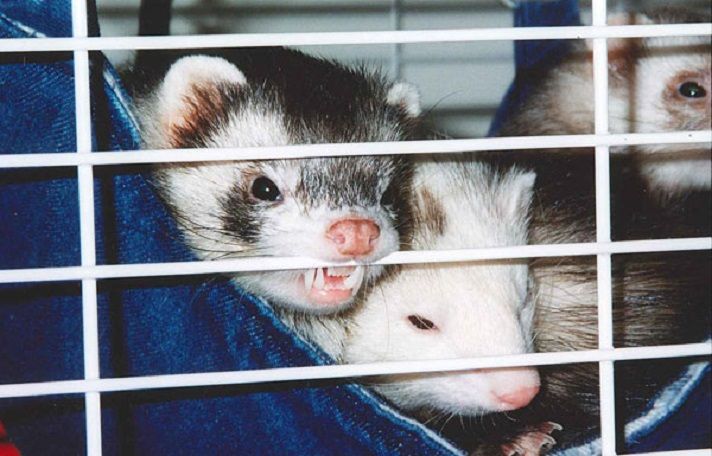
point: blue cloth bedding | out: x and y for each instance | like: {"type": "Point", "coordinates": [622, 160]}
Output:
{"type": "Point", "coordinates": [157, 326]}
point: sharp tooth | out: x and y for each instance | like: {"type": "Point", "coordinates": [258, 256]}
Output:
{"type": "Point", "coordinates": [354, 278]}
{"type": "Point", "coordinates": [309, 278]}
{"type": "Point", "coordinates": [319, 283]}
{"type": "Point", "coordinates": [351, 279]}
{"type": "Point", "coordinates": [360, 272]}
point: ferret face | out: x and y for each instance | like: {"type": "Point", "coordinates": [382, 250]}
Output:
{"type": "Point", "coordinates": [664, 84]}
{"type": "Point", "coordinates": [334, 209]}
{"type": "Point", "coordinates": [455, 310]}
{"type": "Point", "coordinates": [451, 311]}
{"type": "Point", "coordinates": [669, 86]}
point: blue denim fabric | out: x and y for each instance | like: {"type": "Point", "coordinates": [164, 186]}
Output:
{"type": "Point", "coordinates": [158, 326]}
{"type": "Point", "coordinates": [678, 418]}
{"type": "Point", "coordinates": [36, 17]}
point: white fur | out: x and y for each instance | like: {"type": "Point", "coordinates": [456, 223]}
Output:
{"type": "Point", "coordinates": [680, 174]}
{"type": "Point", "coordinates": [662, 165]}
{"type": "Point", "coordinates": [480, 308]}
{"type": "Point", "coordinates": [182, 78]}
{"type": "Point", "coordinates": [405, 96]}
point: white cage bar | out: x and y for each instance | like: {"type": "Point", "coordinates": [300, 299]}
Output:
{"type": "Point", "coordinates": [405, 257]}
{"type": "Point", "coordinates": [351, 149]}
{"type": "Point", "coordinates": [88, 272]}
{"type": "Point", "coordinates": [85, 177]}
{"type": "Point", "coordinates": [349, 370]}
{"type": "Point", "coordinates": [317, 38]}
{"type": "Point", "coordinates": [603, 233]}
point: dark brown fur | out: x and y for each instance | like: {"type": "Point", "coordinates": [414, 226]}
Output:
{"type": "Point", "coordinates": [429, 213]}
{"type": "Point", "coordinates": [207, 108]}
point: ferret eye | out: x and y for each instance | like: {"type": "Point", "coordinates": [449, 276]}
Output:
{"type": "Point", "coordinates": [691, 89]}
{"type": "Point", "coordinates": [266, 190]}
{"type": "Point", "coordinates": [421, 323]}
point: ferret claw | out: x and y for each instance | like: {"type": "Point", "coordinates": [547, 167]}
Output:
{"type": "Point", "coordinates": [534, 441]}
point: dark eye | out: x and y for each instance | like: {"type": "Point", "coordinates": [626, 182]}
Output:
{"type": "Point", "coordinates": [421, 323]}
{"type": "Point", "coordinates": [389, 196]}
{"type": "Point", "coordinates": [266, 190]}
{"type": "Point", "coordinates": [692, 90]}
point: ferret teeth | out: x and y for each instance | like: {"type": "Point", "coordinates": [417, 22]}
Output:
{"type": "Point", "coordinates": [319, 282]}
{"type": "Point", "coordinates": [354, 279]}
{"type": "Point", "coordinates": [360, 271]}
{"type": "Point", "coordinates": [309, 278]}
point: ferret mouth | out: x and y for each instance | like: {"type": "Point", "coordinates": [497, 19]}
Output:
{"type": "Point", "coordinates": [333, 285]}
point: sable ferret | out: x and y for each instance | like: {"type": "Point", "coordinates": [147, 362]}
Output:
{"type": "Point", "coordinates": [334, 209]}
{"type": "Point", "coordinates": [659, 298]}
{"type": "Point", "coordinates": [655, 84]}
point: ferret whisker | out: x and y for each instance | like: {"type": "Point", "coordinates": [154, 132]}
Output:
{"type": "Point", "coordinates": [197, 230]}
{"type": "Point", "coordinates": [449, 418]}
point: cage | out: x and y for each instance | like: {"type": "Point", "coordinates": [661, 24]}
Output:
{"type": "Point", "coordinates": [114, 340]}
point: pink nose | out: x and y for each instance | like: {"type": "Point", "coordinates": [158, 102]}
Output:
{"type": "Point", "coordinates": [519, 398]}
{"type": "Point", "coordinates": [353, 237]}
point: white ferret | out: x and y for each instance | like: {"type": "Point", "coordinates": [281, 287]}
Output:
{"type": "Point", "coordinates": [456, 310]}
{"type": "Point", "coordinates": [334, 209]}
{"type": "Point", "coordinates": [656, 84]}
{"type": "Point", "coordinates": [441, 311]}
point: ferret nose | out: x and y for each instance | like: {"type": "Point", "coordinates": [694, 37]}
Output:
{"type": "Point", "coordinates": [519, 398]}
{"type": "Point", "coordinates": [353, 237]}
{"type": "Point", "coordinates": [515, 387]}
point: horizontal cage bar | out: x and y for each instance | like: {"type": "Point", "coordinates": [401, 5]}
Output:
{"type": "Point", "coordinates": [52, 274]}
{"type": "Point", "coordinates": [350, 149]}
{"type": "Point", "coordinates": [361, 37]}
{"type": "Point", "coordinates": [349, 370]}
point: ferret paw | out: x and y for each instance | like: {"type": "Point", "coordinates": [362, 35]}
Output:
{"type": "Point", "coordinates": [534, 441]}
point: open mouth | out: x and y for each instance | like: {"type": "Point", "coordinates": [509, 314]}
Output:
{"type": "Point", "coordinates": [333, 285]}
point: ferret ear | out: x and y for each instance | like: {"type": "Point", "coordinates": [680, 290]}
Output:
{"type": "Point", "coordinates": [194, 95]}
{"type": "Point", "coordinates": [518, 194]}
{"type": "Point", "coordinates": [405, 97]}
{"type": "Point", "coordinates": [621, 51]}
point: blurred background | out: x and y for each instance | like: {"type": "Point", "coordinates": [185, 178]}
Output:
{"type": "Point", "coordinates": [462, 83]}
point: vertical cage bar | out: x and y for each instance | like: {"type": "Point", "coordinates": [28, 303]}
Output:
{"type": "Point", "coordinates": [603, 234]}
{"type": "Point", "coordinates": [85, 177]}
{"type": "Point", "coordinates": [397, 48]}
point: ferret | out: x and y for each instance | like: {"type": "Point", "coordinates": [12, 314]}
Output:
{"type": "Point", "coordinates": [455, 310]}
{"type": "Point", "coordinates": [655, 84]}
{"type": "Point", "coordinates": [334, 209]}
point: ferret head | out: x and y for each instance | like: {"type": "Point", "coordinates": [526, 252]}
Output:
{"type": "Point", "coordinates": [459, 310]}
{"type": "Point", "coordinates": [334, 209]}
{"type": "Point", "coordinates": [664, 84]}
{"type": "Point", "coordinates": [656, 84]}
